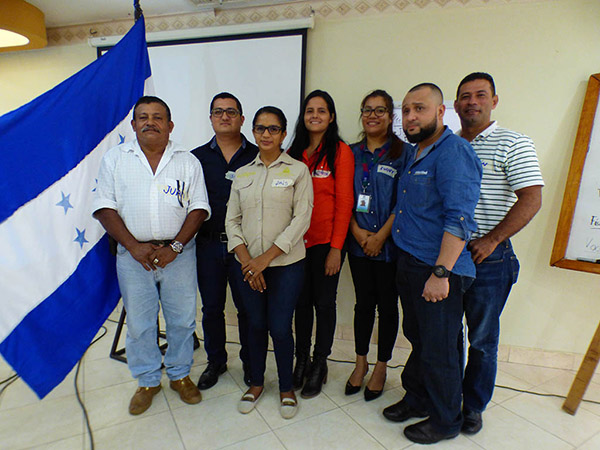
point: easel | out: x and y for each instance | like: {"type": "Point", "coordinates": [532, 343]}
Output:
{"type": "Point", "coordinates": [563, 231]}
{"type": "Point", "coordinates": [584, 375]}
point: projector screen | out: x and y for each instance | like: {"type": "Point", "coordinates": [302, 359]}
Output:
{"type": "Point", "coordinates": [259, 69]}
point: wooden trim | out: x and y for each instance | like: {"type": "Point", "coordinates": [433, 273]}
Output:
{"type": "Point", "coordinates": [580, 150]}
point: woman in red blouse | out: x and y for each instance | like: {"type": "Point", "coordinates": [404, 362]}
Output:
{"type": "Point", "coordinates": [331, 163]}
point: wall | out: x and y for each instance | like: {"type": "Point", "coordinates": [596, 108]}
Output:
{"type": "Point", "coordinates": [540, 54]}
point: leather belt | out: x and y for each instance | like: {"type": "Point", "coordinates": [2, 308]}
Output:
{"type": "Point", "coordinates": [220, 236]}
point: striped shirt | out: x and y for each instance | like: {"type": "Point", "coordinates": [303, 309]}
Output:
{"type": "Point", "coordinates": [509, 163]}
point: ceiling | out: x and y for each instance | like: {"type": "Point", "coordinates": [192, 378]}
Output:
{"type": "Point", "coordinates": [74, 12]}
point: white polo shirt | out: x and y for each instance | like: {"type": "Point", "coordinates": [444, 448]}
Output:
{"type": "Point", "coordinates": [509, 163]}
{"type": "Point", "coordinates": [153, 206]}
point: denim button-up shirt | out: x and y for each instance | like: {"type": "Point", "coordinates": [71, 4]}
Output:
{"type": "Point", "coordinates": [436, 193]}
{"type": "Point", "coordinates": [383, 179]}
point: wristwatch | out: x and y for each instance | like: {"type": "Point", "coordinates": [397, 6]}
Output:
{"type": "Point", "coordinates": [440, 271]}
{"type": "Point", "coordinates": [176, 246]}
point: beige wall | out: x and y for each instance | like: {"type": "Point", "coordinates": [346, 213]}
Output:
{"type": "Point", "coordinates": [540, 54]}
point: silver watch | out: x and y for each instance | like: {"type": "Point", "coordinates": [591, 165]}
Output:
{"type": "Point", "coordinates": [176, 246]}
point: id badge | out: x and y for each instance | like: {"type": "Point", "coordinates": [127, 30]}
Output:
{"type": "Point", "coordinates": [362, 205]}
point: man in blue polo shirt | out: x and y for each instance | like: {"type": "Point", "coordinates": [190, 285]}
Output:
{"type": "Point", "coordinates": [437, 194]}
{"type": "Point", "coordinates": [226, 152]}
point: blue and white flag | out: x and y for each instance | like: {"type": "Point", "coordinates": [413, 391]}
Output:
{"type": "Point", "coordinates": [58, 280]}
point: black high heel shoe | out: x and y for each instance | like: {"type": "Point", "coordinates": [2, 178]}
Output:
{"type": "Point", "coordinates": [350, 388]}
{"type": "Point", "coordinates": [372, 395]}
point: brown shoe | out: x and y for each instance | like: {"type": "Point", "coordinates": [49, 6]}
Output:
{"type": "Point", "coordinates": [142, 399]}
{"type": "Point", "coordinates": [188, 391]}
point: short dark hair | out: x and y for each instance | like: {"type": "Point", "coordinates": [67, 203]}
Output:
{"type": "Point", "coordinates": [226, 95]}
{"type": "Point", "coordinates": [432, 86]}
{"type": "Point", "coordinates": [272, 110]}
{"type": "Point", "coordinates": [147, 99]}
{"type": "Point", "coordinates": [477, 76]}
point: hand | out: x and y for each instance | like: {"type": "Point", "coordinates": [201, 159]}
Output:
{"type": "Point", "coordinates": [373, 245]}
{"type": "Point", "coordinates": [481, 248]}
{"type": "Point", "coordinates": [436, 289]}
{"type": "Point", "coordinates": [164, 255]}
{"type": "Point", "coordinates": [257, 282]}
{"type": "Point", "coordinates": [333, 262]}
{"type": "Point", "coordinates": [142, 254]}
{"type": "Point", "coordinates": [252, 270]}
{"type": "Point", "coordinates": [361, 235]}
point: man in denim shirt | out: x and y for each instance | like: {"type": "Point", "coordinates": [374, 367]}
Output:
{"type": "Point", "coordinates": [437, 194]}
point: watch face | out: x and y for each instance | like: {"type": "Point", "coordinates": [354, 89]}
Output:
{"type": "Point", "coordinates": [440, 271]}
{"type": "Point", "coordinates": [177, 246]}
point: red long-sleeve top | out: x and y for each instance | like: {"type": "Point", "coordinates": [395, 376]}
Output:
{"type": "Point", "coordinates": [333, 198]}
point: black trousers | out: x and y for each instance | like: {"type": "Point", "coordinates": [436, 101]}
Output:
{"type": "Point", "coordinates": [318, 296]}
{"type": "Point", "coordinates": [375, 288]}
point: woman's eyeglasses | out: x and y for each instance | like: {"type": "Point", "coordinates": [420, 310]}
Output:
{"type": "Point", "coordinates": [379, 111]}
{"type": "Point", "coordinates": [260, 129]}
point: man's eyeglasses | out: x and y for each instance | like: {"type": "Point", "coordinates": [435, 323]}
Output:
{"type": "Point", "coordinates": [260, 129]}
{"type": "Point", "coordinates": [231, 112]}
{"type": "Point", "coordinates": [379, 111]}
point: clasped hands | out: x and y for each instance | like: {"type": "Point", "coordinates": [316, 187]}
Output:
{"type": "Point", "coordinates": [151, 256]}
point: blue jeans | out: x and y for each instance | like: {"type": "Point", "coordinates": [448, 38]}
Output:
{"type": "Point", "coordinates": [271, 312]}
{"type": "Point", "coordinates": [175, 288]}
{"type": "Point", "coordinates": [432, 376]}
{"type": "Point", "coordinates": [216, 266]}
{"type": "Point", "coordinates": [483, 304]}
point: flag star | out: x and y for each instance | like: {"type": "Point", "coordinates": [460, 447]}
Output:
{"type": "Point", "coordinates": [121, 138]}
{"type": "Point", "coordinates": [65, 203]}
{"type": "Point", "coordinates": [96, 181]}
{"type": "Point", "coordinates": [80, 239]}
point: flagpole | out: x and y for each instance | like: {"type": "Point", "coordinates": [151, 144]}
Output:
{"type": "Point", "coordinates": [137, 9]}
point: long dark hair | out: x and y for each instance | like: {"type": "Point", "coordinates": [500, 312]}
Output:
{"type": "Point", "coordinates": [330, 138]}
{"type": "Point", "coordinates": [396, 145]}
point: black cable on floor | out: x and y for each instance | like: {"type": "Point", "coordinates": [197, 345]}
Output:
{"type": "Point", "coordinates": [77, 394]}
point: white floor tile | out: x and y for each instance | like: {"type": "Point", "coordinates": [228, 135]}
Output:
{"type": "Point", "coordinates": [331, 430]}
{"type": "Point", "coordinates": [19, 394]}
{"type": "Point", "coordinates": [591, 444]}
{"type": "Point", "coordinates": [503, 429]}
{"type": "Point", "coordinates": [533, 375]}
{"type": "Point", "coordinates": [547, 414]}
{"type": "Point", "coordinates": [156, 431]}
{"type": "Point", "coordinates": [105, 372]}
{"type": "Point", "coordinates": [73, 443]}
{"type": "Point", "coordinates": [216, 423]}
{"type": "Point", "coordinates": [39, 423]}
{"type": "Point", "coordinates": [263, 442]}
{"type": "Point", "coordinates": [110, 405]}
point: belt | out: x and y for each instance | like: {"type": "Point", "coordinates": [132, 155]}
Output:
{"type": "Point", "coordinates": [220, 236]}
{"type": "Point", "coordinates": [161, 243]}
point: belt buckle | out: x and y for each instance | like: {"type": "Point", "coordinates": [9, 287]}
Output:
{"type": "Point", "coordinates": [223, 238]}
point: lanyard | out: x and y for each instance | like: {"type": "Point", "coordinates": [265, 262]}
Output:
{"type": "Point", "coordinates": [368, 166]}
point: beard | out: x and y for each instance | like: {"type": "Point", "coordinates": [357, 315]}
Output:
{"type": "Point", "coordinates": [426, 132]}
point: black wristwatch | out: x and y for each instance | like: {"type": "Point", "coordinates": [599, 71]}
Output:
{"type": "Point", "coordinates": [440, 271]}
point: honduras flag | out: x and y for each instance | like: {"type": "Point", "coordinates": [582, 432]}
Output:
{"type": "Point", "coordinates": [58, 280]}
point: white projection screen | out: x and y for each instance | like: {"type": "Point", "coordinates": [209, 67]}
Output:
{"type": "Point", "coordinates": [259, 69]}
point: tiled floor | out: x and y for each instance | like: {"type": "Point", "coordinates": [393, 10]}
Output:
{"type": "Point", "coordinates": [332, 420]}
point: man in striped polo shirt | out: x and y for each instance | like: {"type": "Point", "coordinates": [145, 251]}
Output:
{"type": "Point", "coordinates": [511, 194]}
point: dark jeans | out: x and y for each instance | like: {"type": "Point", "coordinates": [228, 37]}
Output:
{"type": "Point", "coordinates": [215, 267]}
{"type": "Point", "coordinates": [375, 287]}
{"type": "Point", "coordinates": [483, 304]}
{"type": "Point", "coordinates": [432, 376]}
{"type": "Point", "coordinates": [319, 291]}
{"type": "Point", "coordinates": [271, 312]}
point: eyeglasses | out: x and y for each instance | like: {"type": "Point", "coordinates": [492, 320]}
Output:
{"type": "Point", "coordinates": [273, 129]}
{"type": "Point", "coordinates": [231, 112]}
{"type": "Point", "coordinates": [379, 111]}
